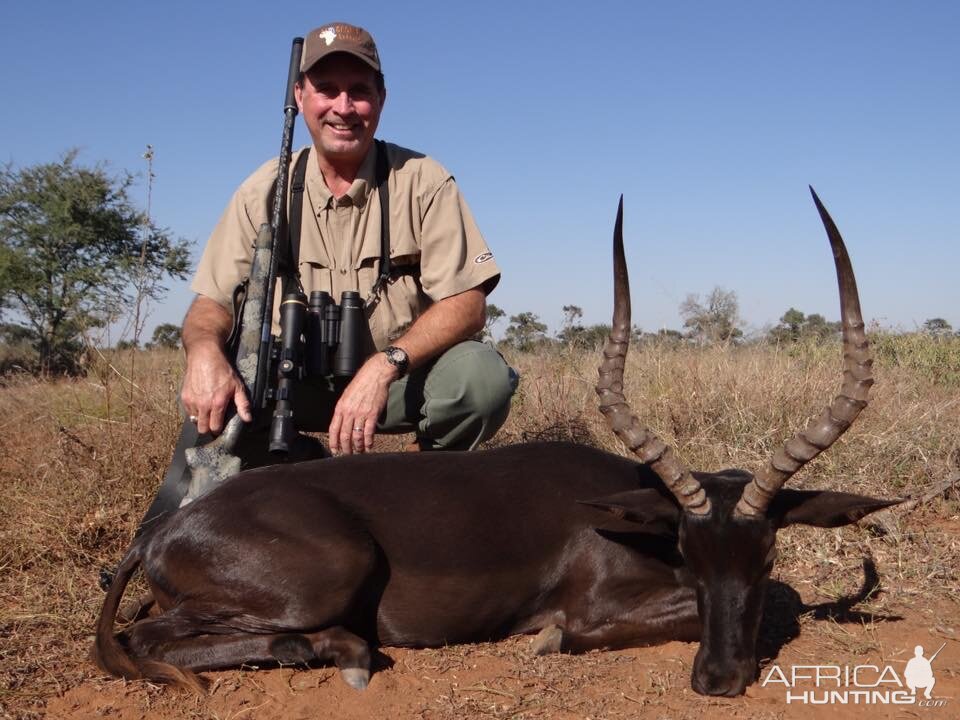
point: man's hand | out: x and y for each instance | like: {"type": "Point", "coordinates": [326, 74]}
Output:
{"type": "Point", "coordinates": [210, 383]}
{"type": "Point", "coordinates": [443, 325]}
{"type": "Point", "coordinates": [355, 416]}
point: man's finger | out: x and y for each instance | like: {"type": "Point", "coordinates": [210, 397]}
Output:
{"type": "Point", "coordinates": [358, 438]}
{"type": "Point", "coordinates": [369, 429]}
{"type": "Point", "coordinates": [243, 403]}
{"type": "Point", "coordinates": [203, 422]}
{"type": "Point", "coordinates": [334, 433]}
{"type": "Point", "coordinates": [216, 418]}
{"type": "Point", "coordinates": [346, 436]}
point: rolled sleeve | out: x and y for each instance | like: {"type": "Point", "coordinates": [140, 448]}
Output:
{"type": "Point", "coordinates": [228, 254]}
{"type": "Point", "coordinates": [454, 255]}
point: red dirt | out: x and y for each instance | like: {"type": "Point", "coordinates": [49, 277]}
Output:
{"type": "Point", "coordinates": [501, 680]}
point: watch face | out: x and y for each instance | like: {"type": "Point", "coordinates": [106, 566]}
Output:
{"type": "Point", "coordinates": [397, 356]}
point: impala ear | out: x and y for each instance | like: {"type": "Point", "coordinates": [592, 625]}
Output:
{"type": "Point", "coordinates": [822, 508]}
{"type": "Point", "coordinates": [644, 510]}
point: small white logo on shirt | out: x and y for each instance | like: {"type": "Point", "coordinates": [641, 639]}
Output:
{"type": "Point", "coordinates": [328, 35]}
{"type": "Point", "coordinates": [483, 257]}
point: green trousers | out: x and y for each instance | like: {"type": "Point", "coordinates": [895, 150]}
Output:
{"type": "Point", "coordinates": [453, 403]}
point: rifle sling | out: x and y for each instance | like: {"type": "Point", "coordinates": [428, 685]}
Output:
{"type": "Point", "coordinates": [382, 174]}
{"type": "Point", "coordinates": [289, 261]}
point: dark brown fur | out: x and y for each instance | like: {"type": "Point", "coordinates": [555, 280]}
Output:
{"type": "Point", "coordinates": [323, 560]}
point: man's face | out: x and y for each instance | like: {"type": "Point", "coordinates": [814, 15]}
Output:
{"type": "Point", "coordinates": [341, 106]}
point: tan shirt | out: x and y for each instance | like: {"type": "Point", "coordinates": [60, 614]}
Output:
{"type": "Point", "coordinates": [436, 249]}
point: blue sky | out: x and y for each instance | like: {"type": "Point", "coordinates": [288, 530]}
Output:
{"type": "Point", "coordinates": [712, 118]}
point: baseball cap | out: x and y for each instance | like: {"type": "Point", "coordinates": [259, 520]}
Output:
{"type": "Point", "coordinates": [338, 37]}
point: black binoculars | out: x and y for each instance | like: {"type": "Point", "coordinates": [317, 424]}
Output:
{"type": "Point", "coordinates": [317, 339]}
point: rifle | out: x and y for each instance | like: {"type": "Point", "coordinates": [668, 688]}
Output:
{"type": "Point", "coordinates": [212, 463]}
{"type": "Point", "coordinates": [934, 656]}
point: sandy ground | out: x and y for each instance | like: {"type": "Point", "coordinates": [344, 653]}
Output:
{"type": "Point", "coordinates": [502, 680]}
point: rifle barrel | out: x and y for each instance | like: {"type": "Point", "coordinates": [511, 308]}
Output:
{"type": "Point", "coordinates": [277, 221]}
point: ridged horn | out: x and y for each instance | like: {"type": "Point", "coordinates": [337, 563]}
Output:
{"type": "Point", "coordinates": [647, 446]}
{"type": "Point", "coordinates": [824, 430]}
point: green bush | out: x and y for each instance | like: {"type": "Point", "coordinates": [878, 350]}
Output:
{"type": "Point", "coordinates": [934, 358]}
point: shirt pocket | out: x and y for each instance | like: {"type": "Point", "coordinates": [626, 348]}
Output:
{"type": "Point", "coordinates": [316, 276]}
{"type": "Point", "coordinates": [400, 300]}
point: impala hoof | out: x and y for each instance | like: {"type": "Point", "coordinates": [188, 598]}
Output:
{"type": "Point", "coordinates": [357, 678]}
{"type": "Point", "coordinates": [548, 640]}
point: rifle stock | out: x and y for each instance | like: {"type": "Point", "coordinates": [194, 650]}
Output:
{"type": "Point", "coordinates": [214, 462]}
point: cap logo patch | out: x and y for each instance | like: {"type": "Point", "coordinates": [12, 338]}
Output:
{"type": "Point", "coordinates": [483, 257]}
{"type": "Point", "coordinates": [329, 35]}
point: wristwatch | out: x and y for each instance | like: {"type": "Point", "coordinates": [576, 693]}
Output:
{"type": "Point", "coordinates": [398, 358]}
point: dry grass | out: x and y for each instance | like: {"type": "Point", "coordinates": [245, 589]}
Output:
{"type": "Point", "coordinates": [80, 460]}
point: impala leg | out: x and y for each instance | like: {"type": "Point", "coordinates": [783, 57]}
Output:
{"type": "Point", "coordinates": [163, 639]}
{"type": "Point", "coordinates": [619, 635]}
{"type": "Point", "coordinates": [553, 639]}
{"type": "Point", "coordinates": [136, 609]}
{"type": "Point", "coordinates": [348, 652]}
{"type": "Point", "coordinates": [549, 640]}
{"type": "Point", "coordinates": [672, 617]}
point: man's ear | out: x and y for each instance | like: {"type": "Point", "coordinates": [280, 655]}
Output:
{"type": "Point", "coordinates": [298, 92]}
{"type": "Point", "coordinates": [643, 510]}
{"type": "Point", "coordinates": [822, 508]}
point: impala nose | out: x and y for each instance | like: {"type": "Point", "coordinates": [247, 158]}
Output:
{"type": "Point", "coordinates": [709, 684]}
{"type": "Point", "coordinates": [727, 679]}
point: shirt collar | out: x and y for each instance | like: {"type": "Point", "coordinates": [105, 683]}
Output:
{"type": "Point", "coordinates": [360, 188]}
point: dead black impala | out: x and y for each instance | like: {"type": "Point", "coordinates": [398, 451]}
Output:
{"type": "Point", "coordinates": [324, 560]}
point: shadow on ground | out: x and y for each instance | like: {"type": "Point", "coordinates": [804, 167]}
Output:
{"type": "Point", "coordinates": [784, 608]}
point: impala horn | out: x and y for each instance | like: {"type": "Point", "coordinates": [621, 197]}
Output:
{"type": "Point", "coordinates": [641, 441]}
{"type": "Point", "coordinates": [824, 430]}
